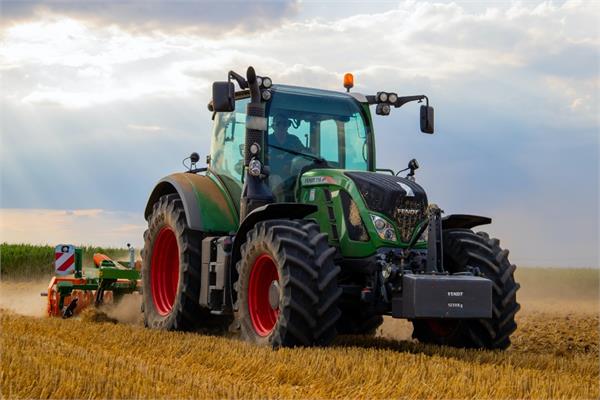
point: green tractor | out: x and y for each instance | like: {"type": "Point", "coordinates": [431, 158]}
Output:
{"type": "Point", "coordinates": [291, 235]}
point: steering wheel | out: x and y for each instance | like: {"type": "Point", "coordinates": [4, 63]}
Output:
{"type": "Point", "coordinates": [284, 189]}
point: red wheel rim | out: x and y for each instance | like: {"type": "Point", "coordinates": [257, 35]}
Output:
{"type": "Point", "coordinates": [262, 276]}
{"type": "Point", "coordinates": [164, 271]}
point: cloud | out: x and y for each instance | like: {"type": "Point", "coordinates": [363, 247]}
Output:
{"type": "Point", "coordinates": [145, 128]}
{"type": "Point", "coordinates": [67, 62]}
{"type": "Point", "coordinates": [109, 109]}
{"type": "Point", "coordinates": [211, 18]}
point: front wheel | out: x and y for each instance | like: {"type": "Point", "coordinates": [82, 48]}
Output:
{"type": "Point", "coordinates": [287, 289]}
{"type": "Point", "coordinates": [463, 251]}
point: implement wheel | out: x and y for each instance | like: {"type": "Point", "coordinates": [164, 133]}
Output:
{"type": "Point", "coordinates": [171, 270]}
{"type": "Point", "coordinates": [463, 248]}
{"type": "Point", "coordinates": [287, 289]}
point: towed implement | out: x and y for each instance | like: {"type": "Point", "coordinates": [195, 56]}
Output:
{"type": "Point", "coordinates": [75, 288]}
{"type": "Point", "coordinates": [292, 235]}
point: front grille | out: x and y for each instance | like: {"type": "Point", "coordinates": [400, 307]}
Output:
{"type": "Point", "coordinates": [400, 199]}
{"type": "Point", "coordinates": [408, 214]}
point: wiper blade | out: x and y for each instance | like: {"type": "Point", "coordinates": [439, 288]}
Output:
{"type": "Point", "coordinates": [299, 153]}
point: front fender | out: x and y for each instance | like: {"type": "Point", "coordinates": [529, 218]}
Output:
{"type": "Point", "coordinates": [207, 205]}
{"type": "Point", "coordinates": [269, 211]}
{"type": "Point", "coordinates": [464, 221]}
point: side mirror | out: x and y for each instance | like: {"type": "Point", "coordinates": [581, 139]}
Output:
{"type": "Point", "coordinates": [223, 97]}
{"type": "Point", "coordinates": [426, 119]}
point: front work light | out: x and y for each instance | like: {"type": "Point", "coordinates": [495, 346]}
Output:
{"type": "Point", "coordinates": [382, 97]}
{"type": "Point", "coordinates": [382, 109]}
{"type": "Point", "coordinates": [392, 98]}
{"type": "Point", "coordinates": [266, 95]}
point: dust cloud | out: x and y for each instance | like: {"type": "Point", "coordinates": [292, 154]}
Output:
{"type": "Point", "coordinates": [127, 311]}
{"type": "Point", "coordinates": [23, 297]}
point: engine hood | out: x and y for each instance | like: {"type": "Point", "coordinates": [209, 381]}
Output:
{"type": "Point", "coordinates": [400, 199]}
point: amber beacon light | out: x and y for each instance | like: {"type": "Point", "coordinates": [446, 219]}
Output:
{"type": "Point", "coordinates": [348, 81]}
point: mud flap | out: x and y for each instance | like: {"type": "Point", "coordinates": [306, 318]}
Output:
{"type": "Point", "coordinates": [443, 296]}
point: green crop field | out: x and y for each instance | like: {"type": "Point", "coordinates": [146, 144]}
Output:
{"type": "Point", "coordinates": [25, 261]}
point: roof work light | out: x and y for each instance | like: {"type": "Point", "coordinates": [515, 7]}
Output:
{"type": "Point", "coordinates": [348, 81]}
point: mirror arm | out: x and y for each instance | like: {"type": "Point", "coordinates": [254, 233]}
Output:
{"type": "Point", "coordinates": [371, 99]}
{"type": "Point", "coordinates": [391, 171]}
{"type": "Point", "coordinates": [401, 100]}
{"type": "Point", "coordinates": [407, 99]}
{"type": "Point", "coordinates": [238, 78]}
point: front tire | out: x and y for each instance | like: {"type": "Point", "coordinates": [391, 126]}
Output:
{"type": "Point", "coordinates": [464, 249]}
{"type": "Point", "coordinates": [287, 289]}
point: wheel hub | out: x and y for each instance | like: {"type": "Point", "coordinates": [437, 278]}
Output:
{"type": "Point", "coordinates": [274, 295]}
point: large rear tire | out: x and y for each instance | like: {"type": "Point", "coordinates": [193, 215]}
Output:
{"type": "Point", "coordinates": [171, 270]}
{"type": "Point", "coordinates": [463, 249]}
{"type": "Point", "coordinates": [287, 289]}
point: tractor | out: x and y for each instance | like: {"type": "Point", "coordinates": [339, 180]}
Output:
{"type": "Point", "coordinates": [291, 235]}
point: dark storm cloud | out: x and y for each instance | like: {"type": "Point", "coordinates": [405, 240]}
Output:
{"type": "Point", "coordinates": [210, 16]}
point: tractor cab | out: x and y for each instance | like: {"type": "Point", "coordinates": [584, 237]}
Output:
{"type": "Point", "coordinates": [307, 129]}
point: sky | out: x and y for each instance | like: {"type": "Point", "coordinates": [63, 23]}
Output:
{"type": "Point", "coordinates": [99, 100]}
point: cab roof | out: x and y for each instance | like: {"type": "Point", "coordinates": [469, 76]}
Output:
{"type": "Point", "coordinates": [303, 91]}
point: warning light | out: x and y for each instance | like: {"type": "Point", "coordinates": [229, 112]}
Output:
{"type": "Point", "coordinates": [348, 81]}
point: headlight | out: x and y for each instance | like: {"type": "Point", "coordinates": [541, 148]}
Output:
{"type": "Point", "coordinates": [392, 98]}
{"type": "Point", "coordinates": [254, 167]}
{"type": "Point", "coordinates": [384, 229]}
{"type": "Point", "coordinates": [382, 97]}
{"type": "Point", "coordinates": [254, 149]}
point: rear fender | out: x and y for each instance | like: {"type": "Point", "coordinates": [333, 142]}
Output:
{"type": "Point", "coordinates": [464, 221]}
{"type": "Point", "coordinates": [207, 205]}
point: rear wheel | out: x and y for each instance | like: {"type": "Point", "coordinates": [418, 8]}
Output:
{"type": "Point", "coordinates": [463, 250]}
{"type": "Point", "coordinates": [171, 270]}
{"type": "Point", "coordinates": [287, 289]}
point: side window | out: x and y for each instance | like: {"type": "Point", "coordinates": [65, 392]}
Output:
{"type": "Point", "coordinates": [227, 141]}
{"type": "Point", "coordinates": [356, 143]}
{"type": "Point", "coordinates": [329, 141]}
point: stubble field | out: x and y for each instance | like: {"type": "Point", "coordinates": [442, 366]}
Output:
{"type": "Point", "coordinates": [554, 355]}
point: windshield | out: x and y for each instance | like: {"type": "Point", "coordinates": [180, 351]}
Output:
{"type": "Point", "coordinates": [307, 130]}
